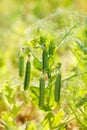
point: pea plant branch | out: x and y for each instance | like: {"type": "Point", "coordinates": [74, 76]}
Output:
{"type": "Point", "coordinates": [73, 75]}
{"type": "Point", "coordinates": [60, 42]}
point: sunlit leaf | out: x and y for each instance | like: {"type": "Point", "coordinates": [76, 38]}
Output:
{"type": "Point", "coordinates": [37, 64]}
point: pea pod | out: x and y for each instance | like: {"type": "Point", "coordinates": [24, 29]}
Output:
{"type": "Point", "coordinates": [41, 92]}
{"type": "Point", "coordinates": [27, 75]}
{"type": "Point", "coordinates": [21, 65]}
{"type": "Point", "coordinates": [45, 61]}
{"type": "Point", "coordinates": [57, 88]}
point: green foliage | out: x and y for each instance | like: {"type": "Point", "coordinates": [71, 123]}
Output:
{"type": "Point", "coordinates": [82, 101]}
{"type": "Point", "coordinates": [37, 64]}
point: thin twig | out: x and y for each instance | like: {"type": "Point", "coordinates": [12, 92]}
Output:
{"type": "Point", "coordinates": [64, 123]}
{"type": "Point", "coordinates": [73, 75]}
{"type": "Point", "coordinates": [60, 42]}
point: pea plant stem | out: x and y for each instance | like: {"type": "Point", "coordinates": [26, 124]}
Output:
{"type": "Point", "coordinates": [73, 75]}
{"type": "Point", "coordinates": [82, 112]}
{"type": "Point", "coordinates": [63, 124]}
{"type": "Point", "coordinates": [60, 42]}
{"type": "Point", "coordinates": [75, 114]}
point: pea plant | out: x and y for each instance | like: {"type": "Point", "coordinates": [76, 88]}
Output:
{"type": "Point", "coordinates": [44, 96]}
{"type": "Point", "coordinates": [42, 54]}
{"type": "Point", "coordinates": [48, 70]}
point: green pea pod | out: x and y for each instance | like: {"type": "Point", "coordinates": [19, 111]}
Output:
{"type": "Point", "coordinates": [57, 88]}
{"type": "Point", "coordinates": [27, 75]}
{"type": "Point", "coordinates": [41, 92]}
{"type": "Point", "coordinates": [21, 65]}
{"type": "Point", "coordinates": [45, 61]}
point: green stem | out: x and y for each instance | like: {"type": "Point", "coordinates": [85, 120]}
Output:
{"type": "Point", "coordinates": [61, 125]}
{"type": "Point", "coordinates": [73, 75]}
{"type": "Point", "coordinates": [69, 77]}
{"type": "Point", "coordinates": [77, 118]}
{"type": "Point", "coordinates": [60, 42]}
{"type": "Point", "coordinates": [82, 112]}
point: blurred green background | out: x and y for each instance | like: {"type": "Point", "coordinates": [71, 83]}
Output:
{"type": "Point", "coordinates": [18, 15]}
